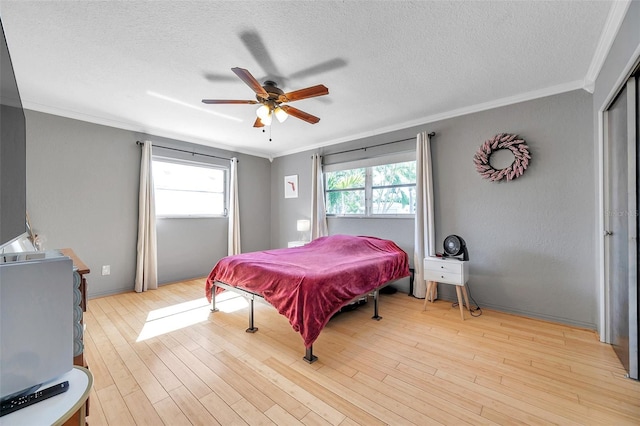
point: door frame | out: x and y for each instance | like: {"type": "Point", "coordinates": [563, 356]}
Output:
{"type": "Point", "coordinates": [632, 132]}
{"type": "Point", "coordinates": [604, 317]}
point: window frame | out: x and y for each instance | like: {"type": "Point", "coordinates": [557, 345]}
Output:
{"type": "Point", "coordinates": [368, 164]}
{"type": "Point", "coordinates": [193, 163]}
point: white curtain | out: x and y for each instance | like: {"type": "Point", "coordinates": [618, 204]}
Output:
{"type": "Point", "coordinates": [319, 226]}
{"type": "Point", "coordinates": [425, 231]}
{"type": "Point", "coordinates": [147, 262]}
{"type": "Point", "coordinates": [234, 211]}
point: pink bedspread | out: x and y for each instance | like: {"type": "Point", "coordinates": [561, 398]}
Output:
{"type": "Point", "coordinates": [309, 284]}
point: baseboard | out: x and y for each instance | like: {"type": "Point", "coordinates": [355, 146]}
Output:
{"type": "Point", "coordinates": [522, 313]}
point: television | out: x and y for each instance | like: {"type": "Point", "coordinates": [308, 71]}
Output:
{"type": "Point", "coordinates": [36, 288]}
{"type": "Point", "coordinates": [13, 168]}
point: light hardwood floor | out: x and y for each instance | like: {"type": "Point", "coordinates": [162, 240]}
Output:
{"type": "Point", "coordinates": [161, 357]}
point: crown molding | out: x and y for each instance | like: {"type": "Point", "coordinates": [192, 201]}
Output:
{"type": "Point", "coordinates": [611, 27]}
{"type": "Point", "coordinates": [522, 97]}
{"type": "Point", "coordinates": [124, 125]}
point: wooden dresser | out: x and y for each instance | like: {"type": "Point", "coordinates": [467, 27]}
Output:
{"type": "Point", "coordinates": [80, 270]}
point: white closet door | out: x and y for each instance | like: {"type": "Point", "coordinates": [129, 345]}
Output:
{"type": "Point", "coordinates": [621, 224]}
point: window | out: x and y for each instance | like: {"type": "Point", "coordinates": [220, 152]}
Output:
{"type": "Point", "coordinates": [346, 192]}
{"type": "Point", "coordinates": [373, 187]}
{"type": "Point", "coordinates": [186, 189]}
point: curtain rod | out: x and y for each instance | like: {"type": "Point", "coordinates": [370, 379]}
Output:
{"type": "Point", "coordinates": [184, 150]}
{"type": "Point", "coordinates": [374, 146]}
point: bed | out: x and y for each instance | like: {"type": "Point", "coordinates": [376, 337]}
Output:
{"type": "Point", "coordinates": [309, 284]}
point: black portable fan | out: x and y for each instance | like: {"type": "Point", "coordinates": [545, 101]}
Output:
{"type": "Point", "coordinates": [455, 246]}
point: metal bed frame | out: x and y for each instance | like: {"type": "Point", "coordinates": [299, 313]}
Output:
{"type": "Point", "coordinates": [251, 296]}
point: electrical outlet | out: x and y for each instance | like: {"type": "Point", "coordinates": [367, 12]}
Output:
{"type": "Point", "coordinates": [106, 269]}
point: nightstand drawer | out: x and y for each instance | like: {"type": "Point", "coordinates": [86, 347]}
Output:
{"type": "Point", "coordinates": [440, 265]}
{"type": "Point", "coordinates": [449, 271]}
{"type": "Point", "coordinates": [443, 277]}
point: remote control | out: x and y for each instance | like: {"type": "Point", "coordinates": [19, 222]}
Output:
{"type": "Point", "coordinates": [19, 402]}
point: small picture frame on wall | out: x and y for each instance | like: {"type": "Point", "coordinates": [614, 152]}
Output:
{"type": "Point", "coordinates": [291, 186]}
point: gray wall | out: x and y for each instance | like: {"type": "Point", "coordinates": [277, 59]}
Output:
{"type": "Point", "coordinates": [531, 241]}
{"type": "Point", "coordinates": [82, 192]}
{"type": "Point", "coordinates": [286, 211]}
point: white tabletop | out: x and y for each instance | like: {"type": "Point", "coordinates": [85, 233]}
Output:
{"type": "Point", "coordinates": [57, 409]}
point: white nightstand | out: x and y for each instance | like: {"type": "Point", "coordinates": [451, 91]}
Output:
{"type": "Point", "coordinates": [447, 271]}
{"type": "Point", "coordinates": [296, 243]}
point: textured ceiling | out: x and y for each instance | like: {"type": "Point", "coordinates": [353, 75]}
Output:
{"type": "Point", "coordinates": [146, 65]}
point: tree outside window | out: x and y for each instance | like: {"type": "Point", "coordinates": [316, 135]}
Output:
{"type": "Point", "coordinates": [387, 189]}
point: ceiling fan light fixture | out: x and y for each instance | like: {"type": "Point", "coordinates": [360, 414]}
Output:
{"type": "Point", "coordinates": [265, 115]}
{"type": "Point", "coordinates": [263, 112]}
{"type": "Point", "coordinates": [266, 119]}
{"type": "Point", "coordinates": [281, 115]}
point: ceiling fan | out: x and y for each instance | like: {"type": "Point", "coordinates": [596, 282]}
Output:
{"type": "Point", "coordinates": [272, 99]}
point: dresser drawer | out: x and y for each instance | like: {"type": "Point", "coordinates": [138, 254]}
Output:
{"type": "Point", "coordinates": [452, 266]}
{"type": "Point", "coordinates": [443, 277]}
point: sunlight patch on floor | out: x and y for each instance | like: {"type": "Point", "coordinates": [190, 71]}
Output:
{"type": "Point", "coordinates": [175, 317]}
{"type": "Point", "coordinates": [231, 302]}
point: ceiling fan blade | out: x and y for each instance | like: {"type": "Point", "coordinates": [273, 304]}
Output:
{"type": "Point", "coordinates": [258, 123]}
{"type": "Point", "coordinates": [295, 112]}
{"type": "Point", "coordinates": [227, 101]}
{"type": "Point", "coordinates": [309, 92]}
{"type": "Point", "coordinates": [250, 81]}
